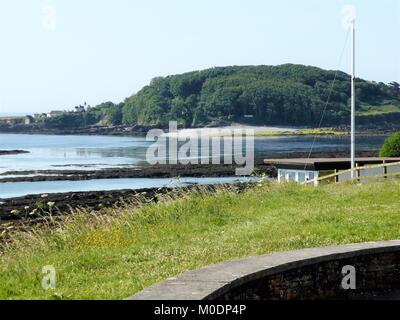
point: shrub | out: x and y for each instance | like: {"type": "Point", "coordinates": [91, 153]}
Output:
{"type": "Point", "coordinates": [391, 147]}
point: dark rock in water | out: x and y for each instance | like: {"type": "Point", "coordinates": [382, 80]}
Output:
{"type": "Point", "coordinates": [11, 152]}
{"type": "Point", "coordinates": [157, 171]}
{"type": "Point", "coordinates": [33, 206]}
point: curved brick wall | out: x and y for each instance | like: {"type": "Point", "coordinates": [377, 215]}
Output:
{"type": "Point", "coordinates": [302, 274]}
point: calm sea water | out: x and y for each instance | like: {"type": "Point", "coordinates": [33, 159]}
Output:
{"type": "Point", "coordinates": [70, 152]}
{"type": "Point", "coordinates": [96, 152]}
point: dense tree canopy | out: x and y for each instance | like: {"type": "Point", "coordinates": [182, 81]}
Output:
{"type": "Point", "coordinates": [112, 112]}
{"type": "Point", "coordinates": [286, 94]}
{"type": "Point", "coordinates": [72, 120]}
{"type": "Point", "coordinates": [395, 87]}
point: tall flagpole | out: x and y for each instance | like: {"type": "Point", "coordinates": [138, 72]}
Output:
{"type": "Point", "coordinates": [353, 99]}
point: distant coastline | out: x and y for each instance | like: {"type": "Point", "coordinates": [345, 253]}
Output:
{"type": "Point", "coordinates": [92, 130]}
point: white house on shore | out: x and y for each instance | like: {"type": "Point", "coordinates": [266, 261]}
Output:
{"type": "Point", "coordinates": [78, 109]}
{"type": "Point", "coordinates": [28, 119]}
{"type": "Point", "coordinates": [55, 113]}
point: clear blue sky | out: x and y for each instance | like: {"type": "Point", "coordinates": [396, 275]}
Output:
{"type": "Point", "coordinates": [102, 50]}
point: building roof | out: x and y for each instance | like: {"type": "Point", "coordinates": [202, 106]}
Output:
{"type": "Point", "coordinates": [322, 164]}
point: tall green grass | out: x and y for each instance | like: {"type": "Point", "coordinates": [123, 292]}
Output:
{"type": "Point", "coordinates": [121, 251]}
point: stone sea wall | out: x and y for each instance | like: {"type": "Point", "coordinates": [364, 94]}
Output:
{"type": "Point", "coordinates": [376, 275]}
{"type": "Point", "coordinates": [356, 271]}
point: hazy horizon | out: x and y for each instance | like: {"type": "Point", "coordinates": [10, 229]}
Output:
{"type": "Point", "coordinates": [59, 54]}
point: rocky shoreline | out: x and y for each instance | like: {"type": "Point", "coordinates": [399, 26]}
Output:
{"type": "Point", "coordinates": [24, 213]}
{"type": "Point", "coordinates": [121, 130]}
{"type": "Point", "coordinates": [14, 209]}
{"type": "Point", "coordinates": [33, 207]}
{"type": "Point", "coordinates": [29, 212]}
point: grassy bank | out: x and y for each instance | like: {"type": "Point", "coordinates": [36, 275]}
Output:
{"type": "Point", "coordinates": [388, 107]}
{"type": "Point", "coordinates": [115, 255]}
